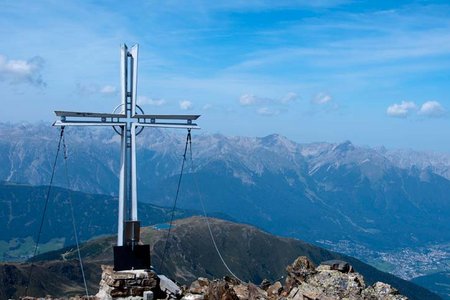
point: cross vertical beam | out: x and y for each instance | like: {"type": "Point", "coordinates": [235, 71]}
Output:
{"type": "Point", "coordinates": [128, 77]}
{"type": "Point", "coordinates": [134, 216]}
{"type": "Point", "coordinates": [122, 185]}
{"type": "Point", "coordinates": [128, 120]}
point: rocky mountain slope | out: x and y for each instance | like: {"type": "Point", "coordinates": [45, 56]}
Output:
{"type": "Point", "coordinates": [253, 255]}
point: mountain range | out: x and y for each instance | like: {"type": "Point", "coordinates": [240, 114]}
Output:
{"type": "Point", "coordinates": [328, 193]}
{"type": "Point", "coordinates": [318, 191]}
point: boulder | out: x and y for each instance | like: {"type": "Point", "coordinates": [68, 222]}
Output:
{"type": "Point", "coordinates": [220, 290]}
{"type": "Point", "coordinates": [338, 265]}
{"type": "Point", "coordinates": [190, 296]}
{"type": "Point", "coordinates": [256, 293]}
{"type": "Point", "coordinates": [382, 291]}
{"type": "Point", "coordinates": [298, 272]}
{"type": "Point", "coordinates": [199, 286]}
{"type": "Point", "coordinates": [274, 290]}
{"type": "Point", "coordinates": [265, 284]}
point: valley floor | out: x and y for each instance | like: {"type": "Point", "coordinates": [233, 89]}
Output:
{"type": "Point", "coordinates": [406, 263]}
{"type": "Point", "coordinates": [428, 266]}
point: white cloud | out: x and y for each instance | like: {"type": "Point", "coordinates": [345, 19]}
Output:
{"type": "Point", "coordinates": [108, 90]}
{"type": "Point", "coordinates": [207, 107]}
{"type": "Point", "coordinates": [86, 89]}
{"type": "Point", "coordinates": [321, 99]}
{"type": "Point", "coordinates": [90, 89]}
{"type": "Point", "coordinates": [185, 105]}
{"type": "Point", "coordinates": [432, 109]}
{"type": "Point", "coordinates": [250, 99]}
{"type": "Point", "coordinates": [266, 106]}
{"type": "Point", "coordinates": [247, 99]}
{"type": "Point", "coordinates": [21, 71]}
{"type": "Point", "coordinates": [401, 110]}
{"type": "Point", "coordinates": [289, 97]}
{"type": "Point", "coordinates": [266, 111]}
{"type": "Point", "coordinates": [142, 100]}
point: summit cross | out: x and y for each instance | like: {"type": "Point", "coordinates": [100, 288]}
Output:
{"type": "Point", "coordinates": [128, 120]}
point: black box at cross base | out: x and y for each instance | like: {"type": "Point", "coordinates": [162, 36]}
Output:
{"type": "Point", "coordinates": [130, 257]}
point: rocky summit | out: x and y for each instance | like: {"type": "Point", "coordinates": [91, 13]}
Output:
{"type": "Point", "coordinates": [331, 280]}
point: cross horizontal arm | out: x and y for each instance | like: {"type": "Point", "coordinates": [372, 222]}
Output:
{"type": "Point", "coordinates": [168, 125]}
{"type": "Point", "coordinates": [80, 114]}
{"type": "Point", "coordinates": [87, 123]}
{"type": "Point", "coordinates": [75, 118]}
{"type": "Point", "coordinates": [168, 117]}
{"type": "Point", "coordinates": [164, 121]}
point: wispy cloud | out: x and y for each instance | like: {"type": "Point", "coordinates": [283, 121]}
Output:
{"type": "Point", "coordinates": [266, 106]}
{"type": "Point", "coordinates": [250, 99]}
{"type": "Point", "coordinates": [199, 7]}
{"type": "Point", "coordinates": [143, 100]}
{"type": "Point", "coordinates": [323, 102]}
{"type": "Point", "coordinates": [289, 98]}
{"type": "Point", "coordinates": [267, 111]}
{"type": "Point", "coordinates": [22, 71]}
{"type": "Point", "coordinates": [207, 107]}
{"type": "Point", "coordinates": [86, 89]}
{"type": "Point", "coordinates": [321, 98]}
{"type": "Point", "coordinates": [108, 90]}
{"type": "Point", "coordinates": [186, 105]}
{"type": "Point", "coordinates": [354, 43]}
{"type": "Point", "coordinates": [90, 89]}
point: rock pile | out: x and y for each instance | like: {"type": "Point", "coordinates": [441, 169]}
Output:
{"type": "Point", "coordinates": [49, 297]}
{"type": "Point", "coordinates": [129, 284]}
{"type": "Point", "coordinates": [332, 280]}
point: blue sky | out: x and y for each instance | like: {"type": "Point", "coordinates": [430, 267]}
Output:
{"type": "Point", "coordinates": [373, 72]}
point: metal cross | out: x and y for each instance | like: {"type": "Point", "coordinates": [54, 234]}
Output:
{"type": "Point", "coordinates": [128, 120]}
